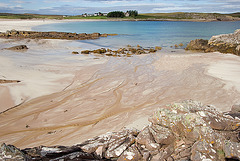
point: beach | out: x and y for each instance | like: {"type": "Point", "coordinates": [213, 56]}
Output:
{"type": "Point", "coordinates": [64, 99]}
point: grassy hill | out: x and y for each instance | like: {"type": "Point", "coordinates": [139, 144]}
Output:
{"type": "Point", "coordinates": [145, 16]}
{"type": "Point", "coordinates": [28, 16]}
{"type": "Point", "coordinates": [235, 14]}
{"type": "Point", "coordinates": [186, 15]}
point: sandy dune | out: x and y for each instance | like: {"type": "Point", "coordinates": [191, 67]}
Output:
{"type": "Point", "coordinates": [70, 98]}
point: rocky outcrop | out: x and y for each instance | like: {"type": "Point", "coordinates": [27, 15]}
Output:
{"type": "Point", "coordinates": [123, 52]}
{"type": "Point", "coordinates": [225, 43]}
{"type": "Point", "coordinates": [198, 44]}
{"type": "Point", "coordinates": [18, 48]}
{"type": "Point", "coordinates": [180, 131]}
{"type": "Point", "coordinates": [51, 35]}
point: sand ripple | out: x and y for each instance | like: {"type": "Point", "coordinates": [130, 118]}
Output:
{"type": "Point", "coordinates": [115, 95]}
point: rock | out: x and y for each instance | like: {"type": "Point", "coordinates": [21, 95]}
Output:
{"type": "Point", "coordinates": [9, 81]}
{"type": "Point", "coordinates": [131, 154]}
{"type": "Point", "coordinates": [112, 34]}
{"type": "Point", "coordinates": [151, 50]}
{"type": "Point", "coordinates": [235, 112]}
{"type": "Point", "coordinates": [85, 52]}
{"type": "Point", "coordinates": [181, 44]}
{"type": "Point", "coordinates": [145, 138]}
{"type": "Point", "coordinates": [59, 153]}
{"type": "Point", "coordinates": [10, 152]}
{"type": "Point", "coordinates": [104, 35]}
{"type": "Point", "coordinates": [235, 109]}
{"type": "Point", "coordinates": [231, 149]}
{"type": "Point", "coordinates": [75, 52]}
{"type": "Point", "coordinates": [18, 47]}
{"type": "Point", "coordinates": [198, 44]}
{"type": "Point", "coordinates": [158, 48]}
{"type": "Point", "coordinates": [233, 38]}
{"type": "Point", "coordinates": [116, 148]}
{"type": "Point", "coordinates": [203, 150]}
{"type": "Point", "coordinates": [122, 52]}
{"type": "Point", "coordinates": [161, 135]}
{"type": "Point", "coordinates": [238, 49]}
{"type": "Point", "coordinates": [187, 130]}
{"type": "Point", "coordinates": [51, 35]}
{"type": "Point", "coordinates": [225, 43]}
{"type": "Point", "coordinates": [100, 51]}
{"type": "Point", "coordinates": [112, 144]}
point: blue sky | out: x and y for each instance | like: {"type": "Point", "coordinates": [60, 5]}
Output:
{"type": "Point", "coordinates": [76, 7]}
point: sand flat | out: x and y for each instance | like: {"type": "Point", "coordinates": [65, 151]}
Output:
{"type": "Point", "coordinates": [227, 69]}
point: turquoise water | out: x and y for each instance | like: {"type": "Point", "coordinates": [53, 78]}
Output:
{"type": "Point", "coordinates": [144, 33]}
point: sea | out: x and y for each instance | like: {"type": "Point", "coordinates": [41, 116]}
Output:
{"type": "Point", "coordinates": [143, 33]}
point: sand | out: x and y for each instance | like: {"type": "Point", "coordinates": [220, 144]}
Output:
{"type": "Point", "coordinates": [26, 25]}
{"type": "Point", "coordinates": [64, 99]}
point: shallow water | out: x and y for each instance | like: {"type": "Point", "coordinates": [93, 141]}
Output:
{"type": "Point", "coordinates": [144, 33]}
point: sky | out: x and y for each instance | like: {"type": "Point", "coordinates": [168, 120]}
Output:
{"type": "Point", "coordinates": [78, 7]}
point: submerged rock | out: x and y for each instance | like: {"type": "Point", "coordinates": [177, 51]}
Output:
{"type": "Point", "coordinates": [187, 130]}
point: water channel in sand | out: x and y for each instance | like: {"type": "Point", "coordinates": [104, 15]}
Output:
{"type": "Point", "coordinates": [113, 94]}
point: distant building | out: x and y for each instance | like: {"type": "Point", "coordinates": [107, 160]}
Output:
{"type": "Point", "coordinates": [95, 14]}
{"type": "Point", "coordinates": [127, 14]}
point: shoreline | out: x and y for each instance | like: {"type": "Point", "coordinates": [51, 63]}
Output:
{"type": "Point", "coordinates": [70, 98]}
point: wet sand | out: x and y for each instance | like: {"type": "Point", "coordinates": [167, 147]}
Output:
{"type": "Point", "coordinates": [70, 98]}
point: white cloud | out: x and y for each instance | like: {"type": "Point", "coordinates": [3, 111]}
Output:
{"type": "Point", "coordinates": [20, 2]}
{"type": "Point", "coordinates": [143, 6]}
{"type": "Point", "coordinates": [3, 5]}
